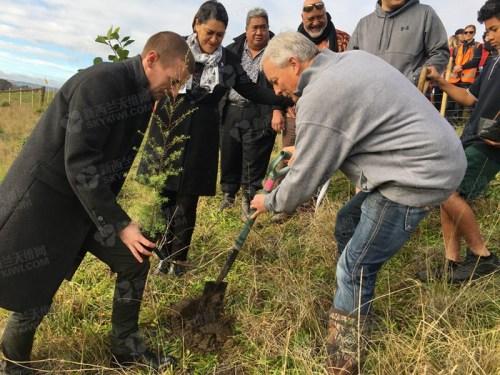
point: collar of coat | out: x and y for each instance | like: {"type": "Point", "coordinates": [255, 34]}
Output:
{"type": "Point", "coordinates": [135, 68]}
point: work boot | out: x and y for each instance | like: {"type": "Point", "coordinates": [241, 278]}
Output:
{"type": "Point", "coordinates": [13, 368]}
{"type": "Point", "coordinates": [227, 201]}
{"type": "Point", "coordinates": [17, 341]}
{"type": "Point", "coordinates": [246, 212]}
{"type": "Point", "coordinates": [133, 352]}
{"type": "Point", "coordinates": [342, 343]}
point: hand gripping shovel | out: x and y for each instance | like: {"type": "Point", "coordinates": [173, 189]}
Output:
{"type": "Point", "coordinates": [210, 306]}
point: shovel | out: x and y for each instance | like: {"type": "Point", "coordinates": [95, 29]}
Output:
{"type": "Point", "coordinates": [210, 306]}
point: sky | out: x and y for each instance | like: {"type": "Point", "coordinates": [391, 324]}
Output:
{"type": "Point", "coordinates": [49, 40]}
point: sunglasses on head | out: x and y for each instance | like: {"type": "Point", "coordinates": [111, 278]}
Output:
{"type": "Point", "coordinates": [309, 8]}
{"type": "Point", "coordinates": [468, 32]}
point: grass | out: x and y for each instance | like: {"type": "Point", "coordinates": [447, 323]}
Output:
{"type": "Point", "coordinates": [25, 98]}
{"type": "Point", "coordinates": [280, 290]}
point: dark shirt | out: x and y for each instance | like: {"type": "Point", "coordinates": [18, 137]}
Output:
{"type": "Point", "coordinates": [486, 89]}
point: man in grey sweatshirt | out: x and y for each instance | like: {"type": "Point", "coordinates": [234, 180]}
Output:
{"type": "Point", "coordinates": [406, 34]}
{"type": "Point", "coordinates": [358, 114]}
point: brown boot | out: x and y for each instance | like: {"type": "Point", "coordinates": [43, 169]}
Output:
{"type": "Point", "coordinates": [342, 343]}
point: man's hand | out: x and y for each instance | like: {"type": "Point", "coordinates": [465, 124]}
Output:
{"type": "Point", "coordinates": [132, 237]}
{"type": "Point", "coordinates": [433, 74]}
{"type": "Point", "coordinates": [278, 121]}
{"type": "Point", "coordinates": [457, 69]}
{"type": "Point", "coordinates": [291, 112]}
{"type": "Point", "coordinates": [258, 204]}
{"type": "Point", "coordinates": [491, 143]}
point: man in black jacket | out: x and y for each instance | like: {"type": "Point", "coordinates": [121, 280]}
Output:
{"type": "Point", "coordinates": [59, 198]}
{"type": "Point", "coordinates": [247, 137]}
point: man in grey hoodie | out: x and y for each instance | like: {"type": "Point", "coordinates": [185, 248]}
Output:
{"type": "Point", "coordinates": [358, 114]}
{"type": "Point", "coordinates": [404, 33]}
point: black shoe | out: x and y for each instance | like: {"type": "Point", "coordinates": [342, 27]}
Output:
{"type": "Point", "coordinates": [178, 268]}
{"type": "Point", "coordinates": [11, 368]}
{"type": "Point", "coordinates": [145, 358]}
{"type": "Point", "coordinates": [449, 271]}
{"type": "Point", "coordinates": [227, 201]}
{"type": "Point", "coordinates": [476, 266]}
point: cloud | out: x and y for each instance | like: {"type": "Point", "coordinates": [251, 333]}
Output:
{"type": "Point", "coordinates": [70, 27]}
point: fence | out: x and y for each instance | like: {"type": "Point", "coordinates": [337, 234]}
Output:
{"type": "Point", "coordinates": [34, 96]}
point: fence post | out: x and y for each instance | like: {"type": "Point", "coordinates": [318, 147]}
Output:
{"type": "Point", "coordinates": [9, 95]}
{"type": "Point", "coordinates": [20, 97]}
{"type": "Point", "coordinates": [42, 95]}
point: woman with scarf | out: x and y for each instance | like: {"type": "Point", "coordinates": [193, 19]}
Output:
{"type": "Point", "coordinates": [217, 70]}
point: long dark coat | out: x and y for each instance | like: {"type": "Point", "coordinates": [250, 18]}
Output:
{"type": "Point", "coordinates": [200, 153]}
{"type": "Point", "coordinates": [63, 185]}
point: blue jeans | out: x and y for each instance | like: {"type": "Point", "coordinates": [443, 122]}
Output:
{"type": "Point", "coordinates": [370, 229]}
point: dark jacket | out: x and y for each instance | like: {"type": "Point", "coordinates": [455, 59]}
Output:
{"type": "Point", "coordinates": [63, 185]}
{"type": "Point", "coordinates": [200, 152]}
{"type": "Point", "coordinates": [238, 46]}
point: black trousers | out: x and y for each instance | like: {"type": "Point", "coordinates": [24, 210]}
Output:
{"type": "Point", "coordinates": [17, 340]}
{"type": "Point", "coordinates": [179, 212]}
{"type": "Point", "coordinates": [247, 141]}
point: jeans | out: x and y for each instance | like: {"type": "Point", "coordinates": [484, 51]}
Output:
{"type": "Point", "coordinates": [370, 229]}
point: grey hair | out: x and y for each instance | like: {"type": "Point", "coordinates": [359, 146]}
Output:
{"type": "Point", "coordinates": [289, 44]}
{"type": "Point", "coordinates": [257, 12]}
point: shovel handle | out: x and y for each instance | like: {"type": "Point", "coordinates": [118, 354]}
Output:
{"type": "Point", "coordinates": [272, 174]}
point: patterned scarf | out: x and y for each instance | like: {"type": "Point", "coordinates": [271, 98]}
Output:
{"type": "Point", "coordinates": [211, 75]}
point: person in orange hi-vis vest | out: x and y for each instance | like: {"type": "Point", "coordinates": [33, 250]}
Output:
{"type": "Point", "coordinates": [467, 59]}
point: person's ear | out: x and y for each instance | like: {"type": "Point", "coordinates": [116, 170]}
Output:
{"type": "Point", "coordinates": [294, 63]}
{"type": "Point", "coordinates": [152, 57]}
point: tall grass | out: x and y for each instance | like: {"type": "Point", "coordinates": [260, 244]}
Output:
{"type": "Point", "coordinates": [279, 292]}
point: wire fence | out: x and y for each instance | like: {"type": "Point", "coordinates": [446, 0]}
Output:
{"type": "Point", "coordinates": [36, 97]}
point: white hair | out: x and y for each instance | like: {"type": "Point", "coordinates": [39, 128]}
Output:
{"type": "Point", "coordinates": [289, 44]}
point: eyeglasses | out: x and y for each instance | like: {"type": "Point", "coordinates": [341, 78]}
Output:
{"type": "Point", "coordinates": [469, 32]}
{"type": "Point", "coordinates": [309, 8]}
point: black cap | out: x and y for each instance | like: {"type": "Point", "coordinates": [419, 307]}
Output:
{"type": "Point", "coordinates": [459, 31]}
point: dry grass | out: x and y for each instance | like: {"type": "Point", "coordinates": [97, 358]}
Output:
{"type": "Point", "coordinates": [15, 125]}
{"type": "Point", "coordinates": [279, 292]}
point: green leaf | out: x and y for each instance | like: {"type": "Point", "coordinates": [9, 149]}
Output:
{"type": "Point", "coordinates": [117, 30]}
{"type": "Point", "coordinates": [128, 42]}
{"type": "Point", "coordinates": [110, 31]}
{"type": "Point", "coordinates": [101, 39]}
{"type": "Point", "coordinates": [115, 36]}
{"type": "Point", "coordinates": [123, 54]}
{"type": "Point", "coordinates": [98, 60]}
{"type": "Point", "coordinates": [116, 47]}
{"type": "Point", "coordinates": [112, 58]}
{"type": "Point", "coordinates": [125, 39]}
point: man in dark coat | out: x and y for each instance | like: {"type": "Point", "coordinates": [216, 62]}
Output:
{"type": "Point", "coordinates": [247, 137]}
{"type": "Point", "coordinates": [59, 197]}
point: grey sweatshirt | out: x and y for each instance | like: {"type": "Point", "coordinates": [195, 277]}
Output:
{"type": "Point", "coordinates": [407, 38]}
{"type": "Point", "coordinates": [358, 114]}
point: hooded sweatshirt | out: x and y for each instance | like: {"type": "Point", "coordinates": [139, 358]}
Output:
{"type": "Point", "coordinates": [358, 114]}
{"type": "Point", "coordinates": [407, 38]}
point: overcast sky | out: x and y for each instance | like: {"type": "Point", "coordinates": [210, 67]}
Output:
{"type": "Point", "coordinates": [52, 39]}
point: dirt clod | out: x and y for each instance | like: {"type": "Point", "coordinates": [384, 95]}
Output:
{"type": "Point", "coordinates": [201, 322]}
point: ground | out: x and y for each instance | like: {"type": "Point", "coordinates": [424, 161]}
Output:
{"type": "Point", "coordinates": [279, 293]}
